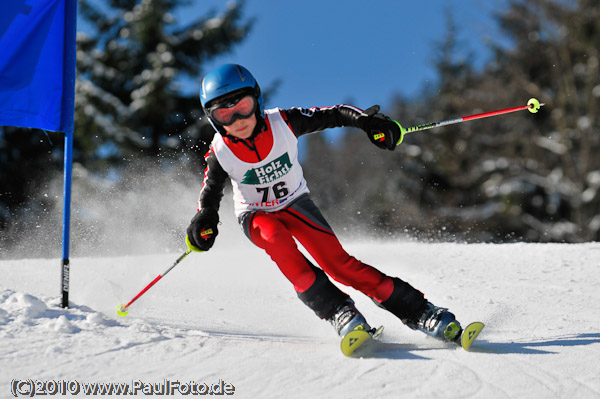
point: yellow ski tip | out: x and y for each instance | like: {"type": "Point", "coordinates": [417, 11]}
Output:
{"type": "Point", "coordinates": [120, 310]}
{"type": "Point", "coordinates": [470, 333]}
{"type": "Point", "coordinates": [354, 340]}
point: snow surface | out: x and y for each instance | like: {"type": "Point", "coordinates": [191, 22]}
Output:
{"type": "Point", "coordinates": [230, 315]}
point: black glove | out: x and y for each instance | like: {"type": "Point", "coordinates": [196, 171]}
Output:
{"type": "Point", "coordinates": [382, 131]}
{"type": "Point", "coordinates": [202, 231]}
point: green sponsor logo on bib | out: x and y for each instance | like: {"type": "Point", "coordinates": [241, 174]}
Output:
{"type": "Point", "coordinates": [269, 172]}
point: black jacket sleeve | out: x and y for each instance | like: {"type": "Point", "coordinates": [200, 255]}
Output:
{"type": "Point", "coordinates": [213, 184]}
{"type": "Point", "coordinates": [308, 120]}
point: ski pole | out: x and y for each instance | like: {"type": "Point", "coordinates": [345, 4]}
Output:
{"type": "Point", "coordinates": [533, 105]}
{"type": "Point", "coordinates": [121, 309]}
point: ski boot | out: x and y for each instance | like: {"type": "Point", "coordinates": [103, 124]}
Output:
{"type": "Point", "coordinates": [438, 323]}
{"type": "Point", "coordinates": [347, 318]}
{"type": "Point", "coordinates": [350, 324]}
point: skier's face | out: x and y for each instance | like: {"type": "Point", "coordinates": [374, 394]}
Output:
{"type": "Point", "coordinates": [242, 128]}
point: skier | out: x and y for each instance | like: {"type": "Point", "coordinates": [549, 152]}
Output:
{"type": "Point", "coordinates": [257, 150]}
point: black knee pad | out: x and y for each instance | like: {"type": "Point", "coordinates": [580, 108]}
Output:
{"type": "Point", "coordinates": [406, 302]}
{"type": "Point", "coordinates": [323, 297]}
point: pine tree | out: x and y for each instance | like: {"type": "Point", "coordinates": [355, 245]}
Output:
{"type": "Point", "coordinates": [519, 177]}
{"type": "Point", "coordinates": [130, 95]}
{"type": "Point", "coordinates": [553, 181]}
{"type": "Point", "coordinates": [437, 172]}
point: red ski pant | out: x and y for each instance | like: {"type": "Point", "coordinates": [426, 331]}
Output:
{"type": "Point", "coordinates": [275, 232]}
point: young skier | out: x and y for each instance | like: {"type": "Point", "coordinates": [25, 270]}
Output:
{"type": "Point", "coordinates": [257, 150]}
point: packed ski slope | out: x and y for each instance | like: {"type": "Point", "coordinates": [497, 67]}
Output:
{"type": "Point", "coordinates": [228, 317]}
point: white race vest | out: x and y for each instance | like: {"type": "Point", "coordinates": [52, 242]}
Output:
{"type": "Point", "coordinates": [270, 184]}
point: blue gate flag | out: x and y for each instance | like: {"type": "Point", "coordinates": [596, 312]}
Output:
{"type": "Point", "coordinates": [37, 64]}
{"type": "Point", "coordinates": [37, 82]}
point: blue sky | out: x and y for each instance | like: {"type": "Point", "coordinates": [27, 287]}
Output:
{"type": "Point", "coordinates": [353, 51]}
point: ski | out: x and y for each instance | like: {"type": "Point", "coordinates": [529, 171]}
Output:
{"type": "Point", "coordinates": [470, 333]}
{"type": "Point", "coordinates": [357, 338]}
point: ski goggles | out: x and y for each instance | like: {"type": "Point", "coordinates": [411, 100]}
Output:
{"type": "Point", "coordinates": [227, 113]}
